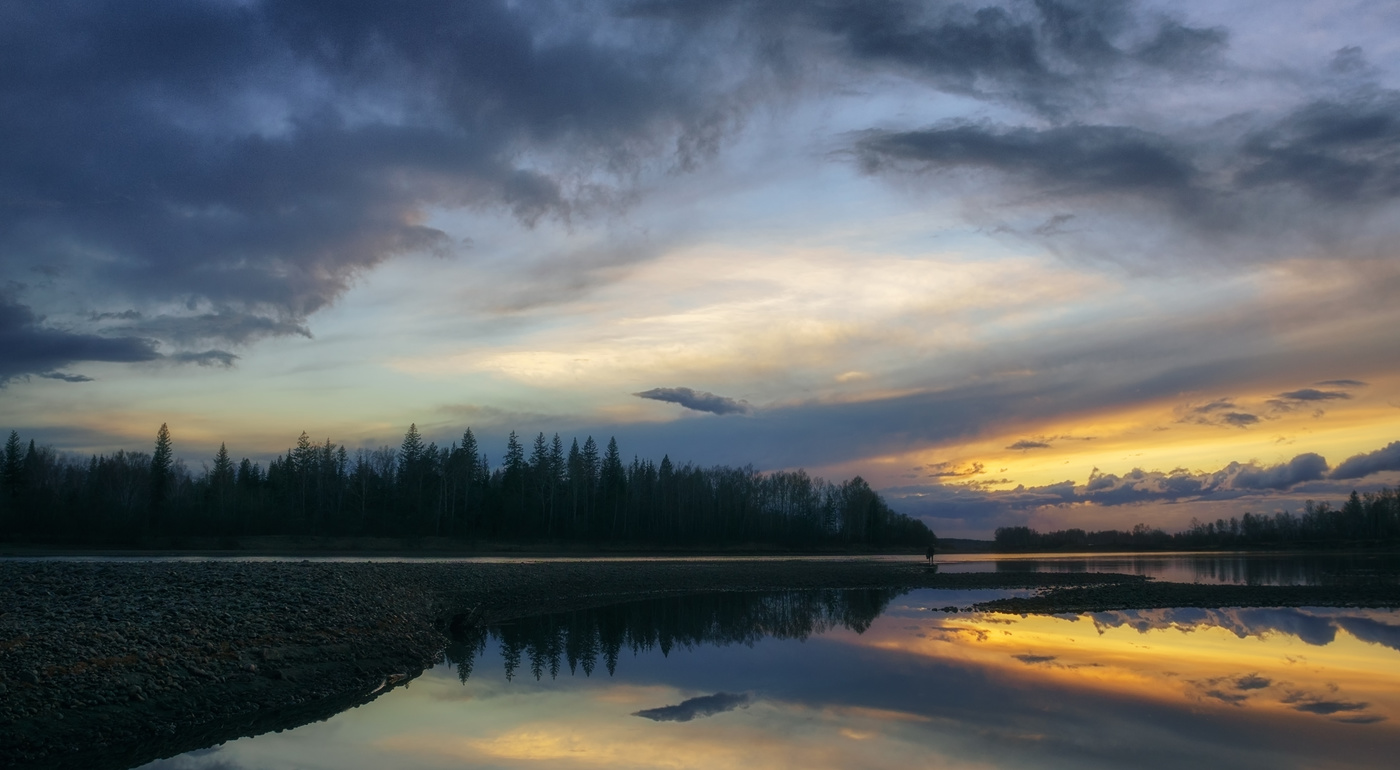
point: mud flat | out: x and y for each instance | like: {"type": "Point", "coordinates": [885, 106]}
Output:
{"type": "Point", "coordinates": [111, 665]}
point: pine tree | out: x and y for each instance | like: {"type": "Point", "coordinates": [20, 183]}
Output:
{"type": "Point", "coordinates": [469, 473]}
{"type": "Point", "coordinates": [539, 476]}
{"type": "Point", "coordinates": [13, 469]}
{"type": "Point", "coordinates": [162, 460]}
{"type": "Point", "coordinates": [556, 478]}
{"type": "Point", "coordinates": [613, 482]}
{"type": "Point", "coordinates": [515, 472]}
{"type": "Point", "coordinates": [575, 471]}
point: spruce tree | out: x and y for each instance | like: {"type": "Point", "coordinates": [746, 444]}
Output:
{"type": "Point", "coordinates": [13, 469]}
{"type": "Point", "coordinates": [469, 473]}
{"type": "Point", "coordinates": [161, 461]}
{"type": "Point", "coordinates": [513, 482]}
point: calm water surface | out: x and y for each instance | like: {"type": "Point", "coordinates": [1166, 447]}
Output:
{"type": "Point", "coordinates": [1235, 567]}
{"type": "Point", "coordinates": [871, 679]}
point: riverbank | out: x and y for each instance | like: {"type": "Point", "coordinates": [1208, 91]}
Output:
{"type": "Point", "coordinates": [113, 664]}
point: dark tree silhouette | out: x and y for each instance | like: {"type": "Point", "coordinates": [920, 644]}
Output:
{"type": "Point", "coordinates": [421, 490]}
{"type": "Point", "coordinates": [162, 460]}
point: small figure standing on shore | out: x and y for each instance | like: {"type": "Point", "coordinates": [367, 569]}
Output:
{"type": "Point", "coordinates": [929, 554]}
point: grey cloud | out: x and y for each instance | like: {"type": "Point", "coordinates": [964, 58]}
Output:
{"type": "Point", "coordinates": [1239, 419]}
{"type": "Point", "coordinates": [1234, 699]}
{"type": "Point", "coordinates": [1252, 682]}
{"type": "Point", "coordinates": [1239, 189]}
{"type": "Point", "coordinates": [1336, 150]}
{"type": "Point", "coordinates": [27, 346]}
{"type": "Point", "coordinates": [1304, 467]}
{"type": "Point", "coordinates": [693, 708]}
{"type": "Point", "coordinates": [225, 325]}
{"type": "Point", "coordinates": [256, 157]}
{"type": "Point", "coordinates": [1214, 406]}
{"type": "Point", "coordinates": [206, 358]}
{"type": "Point", "coordinates": [1312, 394]}
{"type": "Point", "coordinates": [699, 401]}
{"type": "Point", "coordinates": [1328, 707]}
{"type": "Point", "coordinates": [1387, 458]}
{"type": "Point", "coordinates": [1073, 160]}
{"type": "Point", "coordinates": [1343, 383]}
{"type": "Point", "coordinates": [1109, 489]}
{"type": "Point", "coordinates": [1029, 444]}
{"type": "Point", "coordinates": [1044, 54]}
{"type": "Point", "coordinates": [65, 377]}
{"type": "Point", "coordinates": [1031, 660]}
{"type": "Point", "coordinates": [1372, 630]}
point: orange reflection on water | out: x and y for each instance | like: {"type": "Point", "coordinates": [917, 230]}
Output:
{"type": "Point", "coordinates": [1339, 665]}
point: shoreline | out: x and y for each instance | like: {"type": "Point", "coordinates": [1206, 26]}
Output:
{"type": "Point", "coordinates": [113, 664]}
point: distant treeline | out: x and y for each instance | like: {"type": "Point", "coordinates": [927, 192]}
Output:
{"type": "Point", "coordinates": [543, 493]}
{"type": "Point", "coordinates": [579, 639]}
{"type": "Point", "coordinates": [1373, 517]}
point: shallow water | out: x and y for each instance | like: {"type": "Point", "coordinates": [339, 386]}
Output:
{"type": "Point", "coordinates": [839, 679]}
{"type": "Point", "coordinates": [1235, 567]}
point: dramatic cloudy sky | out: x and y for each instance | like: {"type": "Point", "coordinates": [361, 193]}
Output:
{"type": "Point", "coordinates": [1057, 262]}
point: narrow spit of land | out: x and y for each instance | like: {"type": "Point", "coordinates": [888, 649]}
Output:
{"type": "Point", "coordinates": [110, 665]}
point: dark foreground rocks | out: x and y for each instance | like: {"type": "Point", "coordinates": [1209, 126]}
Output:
{"type": "Point", "coordinates": [111, 665]}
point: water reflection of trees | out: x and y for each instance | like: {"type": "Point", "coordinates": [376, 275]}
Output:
{"type": "Point", "coordinates": [579, 639]}
{"type": "Point", "coordinates": [1310, 569]}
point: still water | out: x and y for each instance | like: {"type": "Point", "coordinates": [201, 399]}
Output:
{"type": "Point", "coordinates": [1228, 567]}
{"type": "Point", "coordinates": [876, 679]}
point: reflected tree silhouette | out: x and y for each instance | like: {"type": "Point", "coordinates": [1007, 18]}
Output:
{"type": "Point", "coordinates": [578, 639]}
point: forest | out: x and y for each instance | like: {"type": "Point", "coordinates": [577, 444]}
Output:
{"type": "Point", "coordinates": [1369, 518]}
{"type": "Point", "coordinates": [543, 493]}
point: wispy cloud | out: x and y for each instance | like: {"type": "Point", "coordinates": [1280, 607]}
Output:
{"type": "Point", "coordinates": [695, 708]}
{"type": "Point", "coordinates": [700, 401]}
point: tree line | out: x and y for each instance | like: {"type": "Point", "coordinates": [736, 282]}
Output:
{"type": "Point", "coordinates": [542, 492]}
{"type": "Point", "coordinates": [1373, 517]}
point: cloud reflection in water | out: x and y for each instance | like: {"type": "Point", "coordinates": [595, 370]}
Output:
{"type": "Point", "coordinates": [1243, 688]}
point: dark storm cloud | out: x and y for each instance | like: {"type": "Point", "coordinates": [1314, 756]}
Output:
{"type": "Point", "coordinates": [255, 157]}
{"type": "Point", "coordinates": [694, 708]}
{"type": "Point", "coordinates": [1387, 458]}
{"type": "Point", "coordinates": [699, 401]}
{"type": "Point", "coordinates": [27, 346]}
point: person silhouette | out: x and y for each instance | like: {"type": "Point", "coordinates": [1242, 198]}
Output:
{"type": "Point", "coordinates": [929, 554]}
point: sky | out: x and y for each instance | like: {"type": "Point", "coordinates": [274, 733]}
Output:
{"type": "Point", "coordinates": [1047, 263]}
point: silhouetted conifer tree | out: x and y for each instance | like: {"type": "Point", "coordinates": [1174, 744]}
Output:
{"type": "Point", "coordinates": [161, 461]}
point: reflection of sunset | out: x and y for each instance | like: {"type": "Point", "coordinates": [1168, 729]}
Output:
{"type": "Point", "coordinates": [1254, 687]}
{"type": "Point", "coordinates": [1212, 659]}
